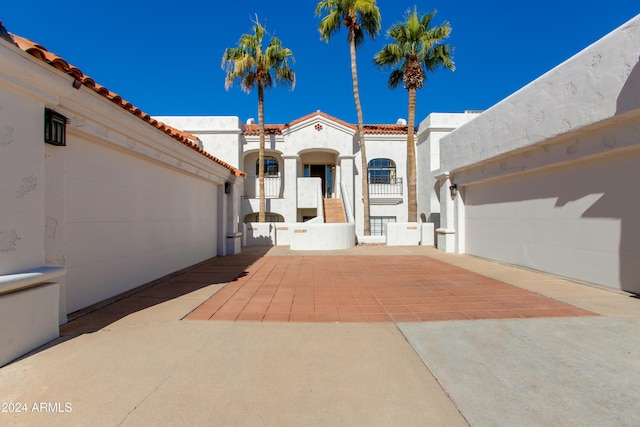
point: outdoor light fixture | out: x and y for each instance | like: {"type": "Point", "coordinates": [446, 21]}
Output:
{"type": "Point", "coordinates": [54, 128]}
{"type": "Point", "coordinates": [454, 190]}
{"type": "Point", "coordinates": [77, 84]}
{"type": "Point", "coordinates": [227, 187]}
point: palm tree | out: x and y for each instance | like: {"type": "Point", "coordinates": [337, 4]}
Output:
{"type": "Point", "coordinates": [416, 45]}
{"type": "Point", "coordinates": [359, 17]}
{"type": "Point", "coordinates": [253, 66]}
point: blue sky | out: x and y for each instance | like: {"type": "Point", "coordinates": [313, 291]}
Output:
{"type": "Point", "coordinates": [164, 56]}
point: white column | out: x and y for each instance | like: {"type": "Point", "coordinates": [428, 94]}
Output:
{"type": "Point", "coordinates": [346, 174]}
{"type": "Point", "coordinates": [337, 179]}
{"type": "Point", "coordinates": [459, 220]}
{"type": "Point", "coordinates": [446, 237]}
{"type": "Point", "coordinates": [221, 221]}
{"type": "Point", "coordinates": [290, 194]}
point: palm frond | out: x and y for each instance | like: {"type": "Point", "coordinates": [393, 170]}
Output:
{"type": "Point", "coordinates": [249, 64]}
{"type": "Point", "coordinates": [416, 42]}
{"type": "Point", "coordinates": [360, 16]}
{"type": "Point", "coordinates": [396, 78]}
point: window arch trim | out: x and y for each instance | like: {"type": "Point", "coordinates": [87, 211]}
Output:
{"type": "Point", "coordinates": [382, 171]}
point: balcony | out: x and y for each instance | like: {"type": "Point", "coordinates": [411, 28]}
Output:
{"type": "Point", "coordinates": [385, 191]}
{"type": "Point", "coordinates": [272, 187]}
{"type": "Point", "coordinates": [389, 187]}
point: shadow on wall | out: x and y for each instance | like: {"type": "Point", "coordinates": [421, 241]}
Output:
{"type": "Point", "coordinates": [259, 234]}
{"type": "Point", "coordinates": [629, 98]}
{"type": "Point", "coordinates": [619, 186]}
{"type": "Point", "coordinates": [259, 240]}
{"type": "Point", "coordinates": [621, 204]}
{"type": "Point", "coordinates": [604, 189]}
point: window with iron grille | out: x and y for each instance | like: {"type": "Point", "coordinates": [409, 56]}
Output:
{"type": "Point", "coordinates": [270, 166]}
{"type": "Point", "coordinates": [378, 224]}
{"type": "Point", "coordinates": [382, 171]}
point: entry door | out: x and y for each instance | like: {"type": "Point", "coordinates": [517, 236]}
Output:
{"type": "Point", "coordinates": [325, 173]}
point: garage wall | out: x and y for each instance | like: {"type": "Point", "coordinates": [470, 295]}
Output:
{"type": "Point", "coordinates": [580, 220]}
{"type": "Point", "coordinates": [129, 220]}
{"type": "Point", "coordinates": [122, 204]}
{"type": "Point", "coordinates": [548, 177]}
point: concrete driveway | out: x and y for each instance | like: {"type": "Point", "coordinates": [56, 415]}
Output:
{"type": "Point", "coordinates": [137, 361]}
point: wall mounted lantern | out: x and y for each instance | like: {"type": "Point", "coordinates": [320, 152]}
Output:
{"type": "Point", "coordinates": [454, 190]}
{"type": "Point", "coordinates": [55, 128]}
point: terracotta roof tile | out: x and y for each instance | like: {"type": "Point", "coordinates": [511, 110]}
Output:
{"type": "Point", "coordinates": [386, 129]}
{"type": "Point", "coordinates": [381, 129]}
{"type": "Point", "coordinates": [40, 52]}
{"type": "Point", "coordinates": [254, 129]}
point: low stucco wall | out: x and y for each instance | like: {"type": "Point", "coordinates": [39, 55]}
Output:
{"type": "Point", "coordinates": [29, 319]}
{"type": "Point", "coordinates": [403, 234]}
{"type": "Point", "coordinates": [299, 235]}
{"type": "Point", "coordinates": [323, 236]}
{"type": "Point", "coordinates": [260, 233]}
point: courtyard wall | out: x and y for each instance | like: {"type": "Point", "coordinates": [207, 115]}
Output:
{"type": "Point", "coordinates": [548, 177]}
{"type": "Point", "coordinates": [124, 202]}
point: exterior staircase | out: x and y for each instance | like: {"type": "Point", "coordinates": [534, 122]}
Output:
{"type": "Point", "coordinates": [333, 210]}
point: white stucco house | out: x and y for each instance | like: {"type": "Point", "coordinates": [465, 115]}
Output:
{"type": "Point", "coordinates": [548, 179]}
{"type": "Point", "coordinates": [317, 157]}
{"type": "Point", "coordinates": [545, 179]}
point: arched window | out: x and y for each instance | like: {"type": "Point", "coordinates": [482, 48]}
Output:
{"type": "Point", "coordinates": [269, 217]}
{"type": "Point", "coordinates": [382, 171]}
{"type": "Point", "coordinates": [270, 166]}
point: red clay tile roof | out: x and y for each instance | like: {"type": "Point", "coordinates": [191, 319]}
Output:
{"type": "Point", "coordinates": [254, 129]}
{"type": "Point", "coordinates": [384, 129]}
{"type": "Point", "coordinates": [40, 52]}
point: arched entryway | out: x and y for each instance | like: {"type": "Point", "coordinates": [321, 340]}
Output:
{"type": "Point", "coordinates": [321, 164]}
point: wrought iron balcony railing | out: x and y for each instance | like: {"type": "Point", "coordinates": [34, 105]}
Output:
{"type": "Point", "coordinates": [385, 187]}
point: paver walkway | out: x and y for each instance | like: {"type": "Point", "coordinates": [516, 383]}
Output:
{"type": "Point", "coordinates": [371, 289]}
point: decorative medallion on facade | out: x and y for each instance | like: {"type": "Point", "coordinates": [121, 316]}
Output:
{"type": "Point", "coordinates": [318, 127]}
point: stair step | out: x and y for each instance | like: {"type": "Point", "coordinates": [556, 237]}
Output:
{"type": "Point", "coordinates": [333, 211]}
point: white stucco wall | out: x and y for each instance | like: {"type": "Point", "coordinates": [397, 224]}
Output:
{"type": "Point", "coordinates": [597, 84]}
{"type": "Point", "coordinates": [389, 146]}
{"type": "Point", "coordinates": [129, 221]}
{"type": "Point", "coordinates": [581, 220]}
{"type": "Point", "coordinates": [22, 184]}
{"type": "Point", "coordinates": [331, 136]}
{"type": "Point", "coordinates": [430, 131]}
{"type": "Point", "coordinates": [122, 204]}
{"type": "Point", "coordinates": [548, 177]}
{"type": "Point", "coordinates": [220, 135]}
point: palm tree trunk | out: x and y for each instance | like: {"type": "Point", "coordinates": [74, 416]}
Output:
{"type": "Point", "coordinates": [262, 211]}
{"type": "Point", "coordinates": [411, 158]}
{"type": "Point", "coordinates": [363, 153]}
